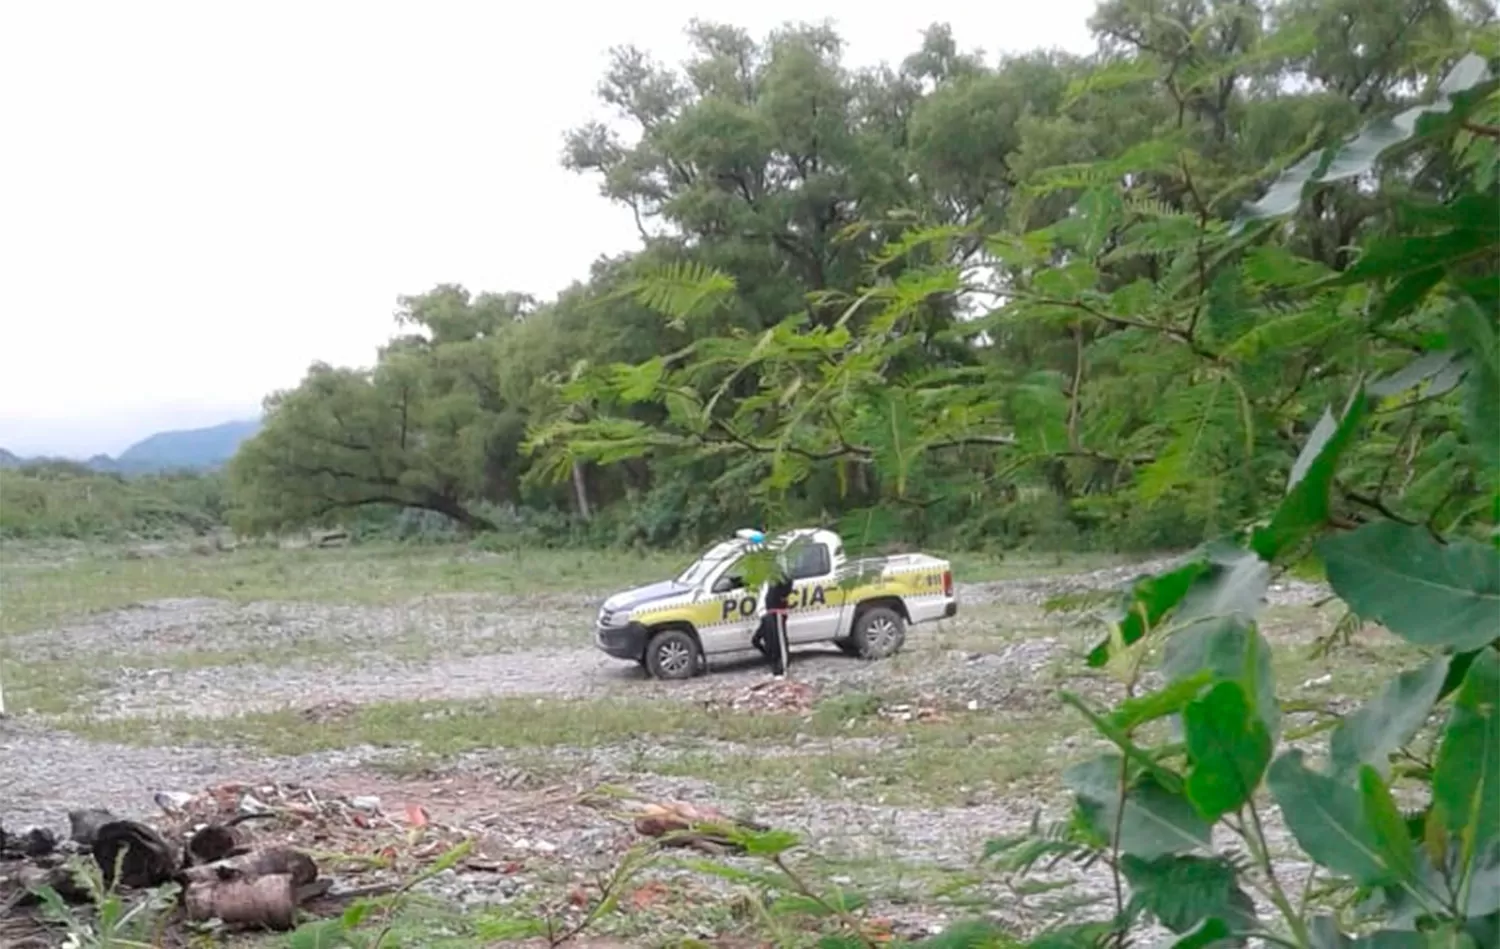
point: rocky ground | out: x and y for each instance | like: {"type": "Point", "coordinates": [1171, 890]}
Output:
{"type": "Point", "coordinates": [887, 797]}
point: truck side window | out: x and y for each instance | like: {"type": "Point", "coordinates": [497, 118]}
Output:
{"type": "Point", "coordinates": [812, 561]}
{"type": "Point", "coordinates": [728, 583]}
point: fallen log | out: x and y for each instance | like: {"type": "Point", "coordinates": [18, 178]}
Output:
{"type": "Point", "coordinates": [144, 858]}
{"type": "Point", "coordinates": [34, 842]}
{"type": "Point", "coordinates": [272, 861]}
{"type": "Point", "coordinates": [211, 844]}
{"type": "Point", "coordinates": [60, 879]}
{"type": "Point", "coordinates": [84, 824]}
{"type": "Point", "coordinates": [679, 824]}
{"type": "Point", "coordinates": [266, 902]}
{"type": "Point", "coordinates": [217, 841]}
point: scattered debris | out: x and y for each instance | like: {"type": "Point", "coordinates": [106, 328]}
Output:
{"type": "Point", "coordinates": [925, 709]}
{"type": "Point", "coordinates": [680, 824]}
{"type": "Point", "coordinates": [259, 856]}
{"type": "Point", "coordinates": [323, 713]}
{"type": "Point", "coordinates": [268, 901]}
{"type": "Point", "coordinates": [32, 842]}
{"type": "Point", "coordinates": [770, 695]}
{"type": "Point", "coordinates": [83, 825]}
{"type": "Point", "coordinates": [224, 871]}
{"type": "Point", "coordinates": [143, 857]}
{"type": "Point", "coordinates": [330, 538]}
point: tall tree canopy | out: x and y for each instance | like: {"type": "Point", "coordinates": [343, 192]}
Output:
{"type": "Point", "coordinates": [1040, 299]}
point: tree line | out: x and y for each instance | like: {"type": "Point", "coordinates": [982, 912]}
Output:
{"type": "Point", "coordinates": [1047, 299]}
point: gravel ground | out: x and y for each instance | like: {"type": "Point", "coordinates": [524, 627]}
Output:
{"type": "Point", "coordinates": [215, 658]}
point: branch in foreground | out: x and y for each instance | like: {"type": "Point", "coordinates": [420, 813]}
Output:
{"type": "Point", "coordinates": [1123, 322]}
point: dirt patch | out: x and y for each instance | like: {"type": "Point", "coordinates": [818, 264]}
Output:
{"type": "Point", "coordinates": [1002, 656]}
{"type": "Point", "coordinates": [273, 632]}
{"type": "Point", "coordinates": [44, 773]}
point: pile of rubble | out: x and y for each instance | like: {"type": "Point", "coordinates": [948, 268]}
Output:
{"type": "Point", "coordinates": [262, 855]}
{"type": "Point", "coordinates": [238, 854]}
{"type": "Point", "coordinates": [768, 695]}
{"type": "Point", "coordinates": [795, 697]}
{"type": "Point", "coordinates": [925, 708]}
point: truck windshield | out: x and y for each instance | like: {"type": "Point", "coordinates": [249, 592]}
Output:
{"type": "Point", "coordinates": [699, 569]}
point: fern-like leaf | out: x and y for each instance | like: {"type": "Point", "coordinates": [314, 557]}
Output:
{"type": "Point", "coordinates": [682, 289]}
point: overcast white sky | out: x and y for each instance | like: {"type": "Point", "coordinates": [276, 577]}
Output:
{"type": "Point", "coordinates": [199, 199]}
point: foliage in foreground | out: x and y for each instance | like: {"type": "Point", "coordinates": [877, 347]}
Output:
{"type": "Point", "coordinates": [1398, 815]}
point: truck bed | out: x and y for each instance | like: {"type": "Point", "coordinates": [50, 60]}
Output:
{"type": "Point", "coordinates": [894, 562]}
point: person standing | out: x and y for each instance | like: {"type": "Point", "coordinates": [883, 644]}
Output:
{"type": "Point", "coordinates": [770, 636]}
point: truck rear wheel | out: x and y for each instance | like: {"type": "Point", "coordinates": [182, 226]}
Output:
{"type": "Point", "coordinates": [879, 632]}
{"type": "Point", "coordinates": [672, 654]}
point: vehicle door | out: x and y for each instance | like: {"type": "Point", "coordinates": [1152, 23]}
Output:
{"type": "Point", "coordinates": [734, 613]}
{"type": "Point", "coordinates": [816, 597]}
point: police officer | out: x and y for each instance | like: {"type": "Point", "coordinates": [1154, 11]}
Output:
{"type": "Point", "coordinates": [770, 635]}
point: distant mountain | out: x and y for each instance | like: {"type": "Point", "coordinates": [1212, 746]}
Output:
{"type": "Point", "coordinates": [197, 449]}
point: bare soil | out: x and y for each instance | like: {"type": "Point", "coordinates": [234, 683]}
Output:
{"type": "Point", "coordinates": [209, 658]}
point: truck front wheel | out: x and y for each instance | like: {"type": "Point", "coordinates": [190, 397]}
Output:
{"type": "Point", "coordinates": [672, 654]}
{"type": "Point", "coordinates": [879, 632]}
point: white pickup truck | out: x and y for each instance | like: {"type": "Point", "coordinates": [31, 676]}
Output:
{"type": "Point", "coordinates": [674, 627]}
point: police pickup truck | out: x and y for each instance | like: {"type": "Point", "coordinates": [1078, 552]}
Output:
{"type": "Point", "coordinates": [863, 606]}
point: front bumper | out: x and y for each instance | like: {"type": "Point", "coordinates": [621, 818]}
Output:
{"type": "Point", "coordinates": [622, 642]}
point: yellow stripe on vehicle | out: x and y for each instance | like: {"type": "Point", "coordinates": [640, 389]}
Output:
{"type": "Point", "coordinates": [731, 610]}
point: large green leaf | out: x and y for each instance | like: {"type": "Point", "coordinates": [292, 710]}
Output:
{"type": "Point", "coordinates": [1467, 83]}
{"type": "Point", "coordinates": [1399, 939]}
{"type": "Point", "coordinates": [1407, 294]}
{"type": "Point", "coordinates": [1324, 933]}
{"type": "Point", "coordinates": [1155, 821]}
{"type": "Point", "coordinates": [1384, 724]}
{"type": "Point", "coordinates": [1285, 194]}
{"type": "Point", "coordinates": [1137, 711]}
{"type": "Point", "coordinates": [1484, 930]}
{"type": "Point", "coordinates": [1228, 749]}
{"type": "Point", "coordinates": [1230, 650]}
{"type": "Point", "coordinates": [1207, 933]}
{"type": "Point", "coordinates": [1305, 507]}
{"type": "Point", "coordinates": [1142, 758]}
{"type": "Point", "coordinates": [1483, 883]}
{"type": "Point", "coordinates": [1467, 887]}
{"type": "Point", "coordinates": [1444, 367]}
{"type": "Point", "coordinates": [1417, 255]}
{"type": "Point", "coordinates": [1392, 839]}
{"type": "Point", "coordinates": [1149, 600]}
{"type": "Point", "coordinates": [1327, 818]}
{"type": "Point", "coordinates": [1430, 594]}
{"type": "Point", "coordinates": [1477, 335]}
{"type": "Point", "coordinates": [1182, 891]}
{"type": "Point", "coordinates": [1466, 774]}
{"type": "Point", "coordinates": [1233, 588]}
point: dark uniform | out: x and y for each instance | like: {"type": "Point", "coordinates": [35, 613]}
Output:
{"type": "Point", "coordinates": [770, 635]}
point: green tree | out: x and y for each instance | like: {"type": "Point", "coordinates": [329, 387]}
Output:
{"type": "Point", "coordinates": [427, 428]}
{"type": "Point", "coordinates": [1004, 303]}
{"type": "Point", "coordinates": [1146, 355]}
